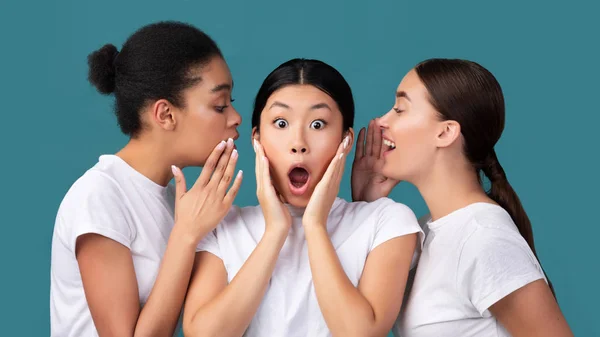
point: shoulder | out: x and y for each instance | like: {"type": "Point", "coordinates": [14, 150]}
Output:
{"type": "Point", "coordinates": [379, 207]}
{"type": "Point", "coordinates": [492, 229]}
{"type": "Point", "coordinates": [95, 203]}
{"type": "Point", "coordinates": [95, 187]}
{"type": "Point", "coordinates": [495, 245]}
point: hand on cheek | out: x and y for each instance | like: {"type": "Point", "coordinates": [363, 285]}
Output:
{"type": "Point", "coordinates": [327, 189]}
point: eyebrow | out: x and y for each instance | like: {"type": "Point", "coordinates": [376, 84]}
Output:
{"type": "Point", "coordinates": [320, 106]}
{"type": "Point", "coordinates": [222, 87]}
{"type": "Point", "coordinates": [314, 107]}
{"type": "Point", "coordinates": [402, 94]}
{"type": "Point", "coordinates": [279, 104]}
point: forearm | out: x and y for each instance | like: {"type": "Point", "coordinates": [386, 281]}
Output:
{"type": "Point", "coordinates": [161, 312]}
{"type": "Point", "coordinates": [231, 311]}
{"type": "Point", "coordinates": [346, 311]}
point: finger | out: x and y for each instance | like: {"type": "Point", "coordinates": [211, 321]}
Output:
{"type": "Point", "coordinates": [389, 185]}
{"type": "Point", "coordinates": [180, 187]}
{"type": "Point", "coordinates": [256, 164]}
{"type": "Point", "coordinates": [228, 175]}
{"type": "Point", "coordinates": [281, 198]}
{"type": "Point", "coordinates": [347, 147]}
{"type": "Point", "coordinates": [221, 165]}
{"type": "Point", "coordinates": [209, 165]}
{"type": "Point", "coordinates": [266, 177]}
{"type": "Point", "coordinates": [339, 172]}
{"type": "Point", "coordinates": [369, 150]}
{"type": "Point", "coordinates": [377, 140]}
{"type": "Point", "coordinates": [341, 166]}
{"type": "Point", "coordinates": [233, 191]}
{"type": "Point", "coordinates": [360, 145]}
{"type": "Point", "coordinates": [332, 168]}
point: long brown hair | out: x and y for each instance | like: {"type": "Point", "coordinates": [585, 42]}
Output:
{"type": "Point", "coordinates": [466, 92]}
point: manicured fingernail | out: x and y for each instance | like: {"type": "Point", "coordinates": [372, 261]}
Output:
{"type": "Point", "coordinates": [240, 173]}
{"type": "Point", "coordinates": [174, 169]}
{"type": "Point", "coordinates": [341, 155]}
{"type": "Point", "coordinates": [234, 154]}
{"type": "Point", "coordinates": [221, 145]}
{"type": "Point", "coordinates": [254, 144]}
{"type": "Point", "coordinates": [346, 142]}
{"type": "Point", "coordinates": [229, 142]}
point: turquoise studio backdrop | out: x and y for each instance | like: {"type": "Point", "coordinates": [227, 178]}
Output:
{"type": "Point", "coordinates": [544, 53]}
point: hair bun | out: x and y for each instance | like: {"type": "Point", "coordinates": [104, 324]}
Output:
{"type": "Point", "coordinates": [102, 68]}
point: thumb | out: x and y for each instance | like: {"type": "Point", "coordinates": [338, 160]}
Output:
{"type": "Point", "coordinates": [180, 187]}
{"type": "Point", "coordinates": [388, 185]}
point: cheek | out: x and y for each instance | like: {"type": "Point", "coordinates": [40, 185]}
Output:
{"type": "Point", "coordinates": [203, 131]}
{"type": "Point", "coordinates": [411, 132]}
{"type": "Point", "coordinates": [323, 147]}
{"type": "Point", "coordinates": [414, 145]}
{"type": "Point", "coordinates": [276, 151]}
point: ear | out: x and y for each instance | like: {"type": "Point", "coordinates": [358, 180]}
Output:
{"type": "Point", "coordinates": [255, 134]}
{"type": "Point", "coordinates": [349, 133]}
{"type": "Point", "coordinates": [448, 132]}
{"type": "Point", "coordinates": [164, 114]}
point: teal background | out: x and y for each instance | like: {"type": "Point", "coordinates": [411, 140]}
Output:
{"type": "Point", "coordinates": [543, 53]}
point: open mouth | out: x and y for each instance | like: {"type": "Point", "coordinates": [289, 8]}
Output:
{"type": "Point", "coordinates": [389, 145]}
{"type": "Point", "coordinates": [298, 179]}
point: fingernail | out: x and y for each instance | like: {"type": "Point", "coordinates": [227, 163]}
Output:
{"type": "Point", "coordinates": [341, 155]}
{"type": "Point", "coordinates": [346, 142]}
{"type": "Point", "coordinates": [221, 145]}
{"type": "Point", "coordinates": [234, 154]}
{"type": "Point", "coordinates": [229, 142]}
{"type": "Point", "coordinates": [174, 169]}
{"type": "Point", "coordinates": [240, 173]}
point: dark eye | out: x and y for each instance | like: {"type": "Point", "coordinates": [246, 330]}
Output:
{"type": "Point", "coordinates": [281, 123]}
{"type": "Point", "coordinates": [318, 124]}
{"type": "Point", "coordinates": [398, 110]}
{"type": "Point", "coordinates": [221, 108]}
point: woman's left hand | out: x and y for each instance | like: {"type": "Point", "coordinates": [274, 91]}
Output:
{"type": "Point", "coordinates": [327, 189]}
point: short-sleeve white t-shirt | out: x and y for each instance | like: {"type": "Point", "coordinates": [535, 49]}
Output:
{"type": "Point", "coordinates": [471, 259]}
{"type": "Point", "coordinates": [113, 200]}
{"type": "Point", "coordinates": [289, 307]}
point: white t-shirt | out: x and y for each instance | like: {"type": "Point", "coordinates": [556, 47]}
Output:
{"type": "Point", "coordinates": [289, 307]}
{"type": "Point", "coordinates": [113, 200]}
{"type": "Point", "coordinates": [471, 259]}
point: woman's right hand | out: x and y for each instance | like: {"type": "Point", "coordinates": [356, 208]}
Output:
{"type": "Point", "coordinates": [277, 216]}
{"type": "Point", "coordinates": [367, 181]}
{"type": "Point", "coordinates": [199, 210]}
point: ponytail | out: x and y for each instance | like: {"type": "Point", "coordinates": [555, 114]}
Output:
{"type": "Point", "coordinates": [502, 193]}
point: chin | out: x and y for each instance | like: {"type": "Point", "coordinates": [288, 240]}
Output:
{"type": "Point", "coordinates": [297, 201]}
{"type": "Point", "coordinates": [389, 171]}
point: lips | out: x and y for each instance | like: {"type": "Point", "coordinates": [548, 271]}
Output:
{"type": "Point", "coordinates": [388, 145]}
{"type": "Point", "coordinates": [298, 179]}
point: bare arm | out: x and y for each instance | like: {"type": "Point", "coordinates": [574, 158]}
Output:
{"type": "Point", "coordinates": [107, 270]}
{"type": "Point", "coordinates": [371, 308]}
{"type": "Point", "coordinates": [214, 308]}
{"type": "Point", "coordinates": [531, 311]}
{"type": "Point", "coordinates": [111, 287]}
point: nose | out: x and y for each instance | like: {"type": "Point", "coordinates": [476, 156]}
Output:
{"type": "Point", "coordinates": [235, 119]}
{"type": "Point", "coordinates": [382, 122]}
{"type": "Point", "coordinates": [299, 149]}
{"type": "Point", "coordinates": [299, 144]}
